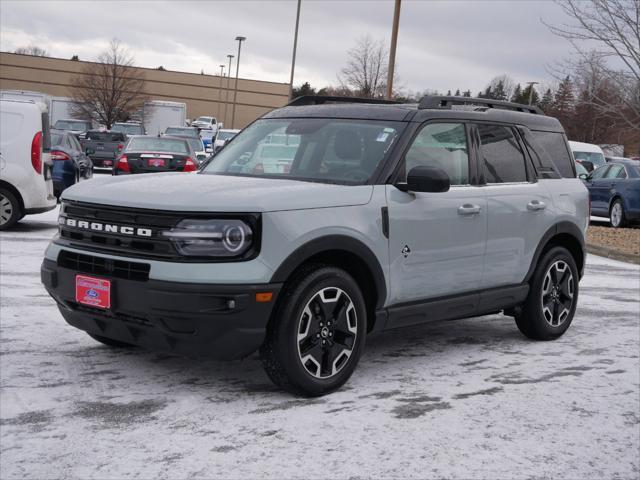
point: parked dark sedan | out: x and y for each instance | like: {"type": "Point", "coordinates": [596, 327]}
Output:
{"type": "Point", "coordinates": [145, 154]}
{"type": "Point", "coordinates": [70, 163]}
{"type": "Point", "coordinates": [614, 189]}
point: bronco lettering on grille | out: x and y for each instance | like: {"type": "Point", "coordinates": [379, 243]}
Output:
{"type": "Point", "coordinates": [107, 228]}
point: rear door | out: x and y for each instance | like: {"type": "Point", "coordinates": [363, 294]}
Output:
{"type": "Point", "coordinates": [437, 240]}
{"type": "Point", "coordinates": [598, 187]}
{"type": "Point", "coordinates": [520, 210]}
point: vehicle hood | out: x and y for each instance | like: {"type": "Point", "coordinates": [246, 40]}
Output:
{"type": "Point", "coordinates": [190, 192]}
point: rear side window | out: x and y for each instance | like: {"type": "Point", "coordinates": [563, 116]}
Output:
{"type": "Point", "coordinates": [556, 148]}
{"type": "Point", "coordinates": [106, 136]}
{"type": "Point", "coordinates": [501, 155]}
{"type": "Point", "coordinates": [616, 171]}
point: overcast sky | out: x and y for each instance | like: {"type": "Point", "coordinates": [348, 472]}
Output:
{"type": "Point", "coordinates": [441, 44]}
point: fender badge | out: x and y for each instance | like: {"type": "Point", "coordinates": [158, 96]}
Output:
{"type": "Point", "coordinates": [406, 251]}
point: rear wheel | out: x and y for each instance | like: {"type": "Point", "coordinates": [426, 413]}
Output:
{"type": "Point", "coordinates": [110, 342]}
{"type": "Point", "coordinates": [616, 214]}
{"type": "Point", "coordinates": [10, 211]}
{"type": "Point", "coordinates": [553, 296]}
{"type": "Point", "coordinates": [318, 332]}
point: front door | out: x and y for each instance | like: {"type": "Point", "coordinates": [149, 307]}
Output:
{"type": "Point", "coordinates": [599, 188]}
{"type": "Point", "coordinates": [437, 240]}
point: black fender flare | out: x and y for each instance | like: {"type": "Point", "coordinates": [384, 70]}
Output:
{"type": "Point", "coordinates": [562, 227]}
{"type": "Point", "coordinates": [329, 243]}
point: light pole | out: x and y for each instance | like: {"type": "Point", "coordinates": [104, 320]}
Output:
{"type": "Point", "coordinates": [392, 51]}
{"type": "Point", "coordinates": [220, 91]}
{"type": "Point", "coordinates": [226, 92]}
{"type": "Point", "coordinates": [295, 47]}
{"type": "Point", "coordinates": [239, 39]}
{"type": "Point", "coordinates": [531, 84]}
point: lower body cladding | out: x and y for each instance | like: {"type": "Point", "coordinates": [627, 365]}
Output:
{"type": "Point", "coordinates": [219, 321]}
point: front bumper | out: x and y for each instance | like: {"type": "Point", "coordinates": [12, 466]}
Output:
{"type": "Point", "coordinates": [219, 321]}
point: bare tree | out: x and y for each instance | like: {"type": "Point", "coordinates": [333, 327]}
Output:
{"type": "Point", "coordinates": [32, 50]}
{"type": "Point", "coordinates": [109, 90]}
{"type": "Point", "coordinates": [613, 28]}
{"type": "Point", "coordinates": [503, 84]}
{"type": "Point", "coordinates": [367, 67]}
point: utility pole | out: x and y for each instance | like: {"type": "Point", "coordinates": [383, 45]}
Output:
{"type": "Point", "coordinates": [531, 84]}
{"type": "Point", "coordinates": [219, 109]}
{"type": "Point", "coordinates": [239, 39]}
{"type": "Point", "coordinates": [226, 93]}
{"type": "Point", "coordinates": [295, 47]}
{"type": "Point", "coordinates": [392, 51]}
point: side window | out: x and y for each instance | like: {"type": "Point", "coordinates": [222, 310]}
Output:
{"type": "Point", "coordinates": [554, 144]}
{"type": "Point", "coordinates": [599, 172]}
{"type": "Point", "coordinates": [615, 171]}
{"type": "Point", "coordinates": [442, 145]}
{"type": "Point", "coordinates": [501, 155]}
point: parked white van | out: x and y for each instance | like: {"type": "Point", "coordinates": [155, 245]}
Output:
{"type": "Point", "coordinates": [587, 152]}
{"type": "Point", "coordinates": [25, 162]}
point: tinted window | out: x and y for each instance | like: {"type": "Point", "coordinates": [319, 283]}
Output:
{"type": "Point", "coordinates": [599, 172]}
{"type": "Point", "coordinates": [596, 158]}
{"type": "Point", "coordinates": [615, 171]}
{"type": "Point", "coordinates": [442, 145]}
{"type": "Point", "coordinates": [501, 155]}
{"type": "Point", "coordinates": [555, 146]}
{"type": "Point", "coordinates": [155, 144]}
{"type": "Point", "coordinates": [106, 136]}
{"type": "Point", "coordinates": [313, 149]}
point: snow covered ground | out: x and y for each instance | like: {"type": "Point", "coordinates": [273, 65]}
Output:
{"type": "Point", "coordinates": [465, 399]}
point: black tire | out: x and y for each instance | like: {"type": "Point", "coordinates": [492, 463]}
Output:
{"type": "Point", "coordinates": [617, 217]}
{"type": "Point", "coordinates": [550, 298]}
{"type": "Point", "coordinates": [110, 342]}
{"type": "Point", "coordinates": [331, 293]}
{"type": "Point", "coordinates": [10, 211]}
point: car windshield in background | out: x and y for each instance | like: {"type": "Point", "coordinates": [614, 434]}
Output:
{"type": "Point", "coordinates": [225, 135]}
{"type": "Point", "coordinates": [314, 149]}
{"type": "Point", "coordinates": [195, 144]}
{"type": "Point", "coordinates": [596, 158]}
{"type": "Point", "coordinates": [155, 144]}
{"type": "Point", "coordinates": [128, 129]}
{"type": "Point", "coordinates": [183, 132]}
{"type": "Point", "coordinates": [70, 125]}
{"type": "Point", "coordinates": [204, 119]}
{"type": "Point", "coordinates": [106, 136]}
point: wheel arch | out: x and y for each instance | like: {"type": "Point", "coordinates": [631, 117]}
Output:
{"type": "Point", "coordinates": [564, 234]}
{"type": "Point", "coordinates": [7, 186]}
{"type": "Point", "coordinates": [344, 252]}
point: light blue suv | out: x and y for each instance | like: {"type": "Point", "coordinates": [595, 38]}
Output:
{"type": "Point", "coordinates": [371, 216]}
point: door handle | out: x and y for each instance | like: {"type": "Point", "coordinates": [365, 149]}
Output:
{"type": "Point", "coordinates": [535, 205]}
{"type": "Point", "coordinates": [469, 209]}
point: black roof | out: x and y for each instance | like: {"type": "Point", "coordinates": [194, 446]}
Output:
{"type": "Point", "coordinates": [412, 113]}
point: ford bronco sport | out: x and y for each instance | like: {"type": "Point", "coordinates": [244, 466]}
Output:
{"type": "Point", "coordinates": [369, 217]}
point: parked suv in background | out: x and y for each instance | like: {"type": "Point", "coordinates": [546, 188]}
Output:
{"type": "Point", "coordinates": [104, 147]}
{"type": "Point", "coordinates": [386, 216]}
{"type": "Point", "coordinates": [26, 186]}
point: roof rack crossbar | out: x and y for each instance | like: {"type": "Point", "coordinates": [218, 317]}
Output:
{"type": "Point", "coordinates": [322, 99]}
{"type": "Point", "coordinates": [436, 101]}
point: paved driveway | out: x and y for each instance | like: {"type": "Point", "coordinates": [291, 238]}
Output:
{"type": "Point", "coordinates": [464, 399]}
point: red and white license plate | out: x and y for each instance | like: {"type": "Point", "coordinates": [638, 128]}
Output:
{"type": "Point", "coordinates": [94, 292]}
{"type": "Point", "coordinates": [156, 162]}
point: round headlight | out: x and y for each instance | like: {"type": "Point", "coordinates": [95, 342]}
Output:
{"type": "Point", "coordinates": [211, 238]}
{"type": "Point", "coordinates": [233, 239]}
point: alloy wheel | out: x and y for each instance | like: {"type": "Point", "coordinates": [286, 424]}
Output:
{"type": "Point", "coordinates": [616, 214]}
{"type": "Point", "coordinates": [557, 293]}
{"type": "Point", "coordinates": [327, 331]}
{"type": "Point", "coordinates": [6, 209]}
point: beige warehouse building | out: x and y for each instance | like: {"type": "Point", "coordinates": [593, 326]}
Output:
{"type": "Point", "coordinates": [203, 94]}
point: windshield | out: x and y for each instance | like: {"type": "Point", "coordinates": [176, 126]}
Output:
{"type": "Point", "coordinates": [225, 135]}
{"type": "Point", "coordinates": [204, 119]}
{"type": "Point", "coordinates": [131, 129]}
{"type": "Point", "coordinates": [195, 144]}
{"type": "Point", "coordinates": [106, 136]}
{"type": "Point", "coordinates": [185, 132]}
{"type": "Point", "coordinates": [56, 139]}
{"type": "Point", "coordinates": [155, 144]}
{"type": "Point", "coordinates": [596, 158]}
{"type": "Point", "coordinates": [71, 125]}
{"type": "Point", "coordinates": [311, 149]}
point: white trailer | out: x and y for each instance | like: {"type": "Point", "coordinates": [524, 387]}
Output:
{"type": "Point", "coordinates": [157, 115]}
{"type": "Point", "coordinates": [38, 97]}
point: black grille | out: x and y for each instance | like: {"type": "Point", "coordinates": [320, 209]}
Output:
{"type": "Point", "coordinates": [104, 266]}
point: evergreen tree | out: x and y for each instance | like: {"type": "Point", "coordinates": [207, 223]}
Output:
{"type": "Point", "coordinates": [517, 94]}
{"type": "Point", "coordinates": [564, 101]}
{"type": "Point", "coordinates": [304, 89]}
{"type": "Point", "coordinates": [499, 92]}
{"type": "Point", "coordinates": [467, 93]}
{"type": "Point", "coordinates": [546, 104]}
{"type": "Point", "coordinates": [457, 94]}
{"type": "Point", "coordinates": [448, 93]}
{"type": "Point", "coordinates": [529, 92]}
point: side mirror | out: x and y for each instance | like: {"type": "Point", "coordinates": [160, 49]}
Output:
{"type": "Point", "coordinates": [426, 179]}
{"type": "Point", "coordinates": [583, 176]}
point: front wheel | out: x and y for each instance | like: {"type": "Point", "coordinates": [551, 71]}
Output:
{"type": "Point", "coordinates": [553, 296]}
{"type": "Point", "coordinates": [317, 333]}
{"type": "Point", "coordinates": [616, 215]}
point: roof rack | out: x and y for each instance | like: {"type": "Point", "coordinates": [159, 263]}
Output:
{"type": "Point", "coordinates": [436, 101]}
{"type": "Point", "coordinates": [322, 99]}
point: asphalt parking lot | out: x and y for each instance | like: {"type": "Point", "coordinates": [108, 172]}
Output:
{"type": "Point", "coordinates": [465, 399]}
